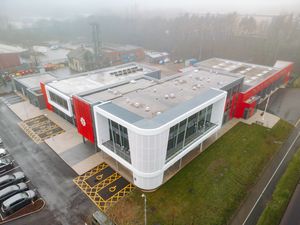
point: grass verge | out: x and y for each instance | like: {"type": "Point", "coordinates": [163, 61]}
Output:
{"type": "Point", "coordinates": [210, 188]}
{"type": "Point", "coordinates": [283, 192]}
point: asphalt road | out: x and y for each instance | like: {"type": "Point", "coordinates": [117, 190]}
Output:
{"type": "Point", "coordinates": [65, 203]}
{"type": "Point", "coordinates": [292, 215]}
{"type": "Point", "coordinates": [285, 103]}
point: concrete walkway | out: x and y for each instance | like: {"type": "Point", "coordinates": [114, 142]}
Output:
{"type": "Point", "coordinates": [265, 119]}
{"type": "Point", "coordinates": [68, 145]}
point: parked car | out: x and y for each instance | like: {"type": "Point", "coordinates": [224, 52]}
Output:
{"type": "Point", "coordinates": [1, 142]}
{"type": "Point", "coordinates": [17, 202]}
{"type": "Point", "coordinates": [3, 152]}
{"type": "Point", "coordinates": [6, 164]}
{"type": "Point", "coordinates": [12, 190]}
{"type": "Point", "coordinates": [9, 179]}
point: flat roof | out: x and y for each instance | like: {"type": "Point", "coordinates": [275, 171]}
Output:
{"type": "Point", "coordinates": [10, 49]}
{"type": "Point", "coordinates": [33, 81]}
{"type": "Point", "coordinates": [116, 47]}
{"type": "Point", "coordinates": [154, 54]}
{"type": "Point", "coordinates": [148, 98]}
{"type": "Point", "coordinates": [100, 78]}
{"type": "Point", "coordinates": [254, 74]}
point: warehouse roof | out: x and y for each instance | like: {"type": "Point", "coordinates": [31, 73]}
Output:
{"type": "Point", "coordinates": [100, 78]}
{"type": "Point", "coordinates": [10, 49]}
{"type": "Point", "coordinates": [33, 81]}
{"type": "Point", "coordinates": [254, 74]}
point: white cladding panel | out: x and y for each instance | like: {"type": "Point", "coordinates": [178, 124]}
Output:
{"type": "Point", "coordinates": [148, 152]}
{"type": "Point", "coordinates": [68, 111]}
{"type": "Point", "coordinates": [103, 133]}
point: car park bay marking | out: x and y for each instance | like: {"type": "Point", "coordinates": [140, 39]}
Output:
{"type": "Point", "coordinates": [9, 170]}
{"type": "Point", "coordinates": [103, 186]}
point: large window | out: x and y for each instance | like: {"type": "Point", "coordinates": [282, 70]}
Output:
{"type": "Point", "coordinates": [188, 130]}
{"type": "Point", "coordinates": [58, 100]}
{"type": "Point", "coordinates": [118, 140]}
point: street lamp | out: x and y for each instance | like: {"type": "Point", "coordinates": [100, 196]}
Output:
{"type": "Point", "coordinates": [145, 207]}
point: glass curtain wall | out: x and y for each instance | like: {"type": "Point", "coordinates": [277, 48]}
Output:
{"type": "Point", "coordinates": [118, 142]}
{"type": "Point", "coordinates": [187, 131]}
{"type": "Point", "coordinates": [58, 100]}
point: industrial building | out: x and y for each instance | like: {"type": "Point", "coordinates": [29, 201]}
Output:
{"type": "Point", "coordinates": [59, 93]}
{"type": "Point", "coordinates": [146, 124]}
{"type": "Point", "coordinates": [9, 57]}
{"type": "Point", "coordinates": [260, 81]}
{"type": "Point", "coordinates": [114, 54]}
{"type": "Point", "coordinates": [29, 86]}
{"type": "Point", "coordinates": [157, 57]}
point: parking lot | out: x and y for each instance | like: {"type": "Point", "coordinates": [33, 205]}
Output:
{"type": "Point", "coordinates": [103, 186]}
{"type": "Point", "coordinates": [40, 128]}
{"type": "Point", "coordinates": [32, 205]}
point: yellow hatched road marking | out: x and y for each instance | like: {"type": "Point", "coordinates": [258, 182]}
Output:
{"type": "Point", "coordinates": [92, 192]}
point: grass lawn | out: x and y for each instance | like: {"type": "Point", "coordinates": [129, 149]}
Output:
{"type": "Point", "coordinates": [296, 83]}
{"type": "Point", "coordinates": [284, 190]}
{"type": "Point", "coordinates": [210, 188]}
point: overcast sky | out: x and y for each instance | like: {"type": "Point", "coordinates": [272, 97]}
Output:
{"type": "Point", "coordinates": [74, 7]}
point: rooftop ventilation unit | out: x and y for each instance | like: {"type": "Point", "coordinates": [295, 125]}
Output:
{"type": "Point", "coordinates": [133, 81]}
{"type": "Point", "coordinates": [194, 88]}
{"type": "Point", "coordinates": [158, 113]}
{"type": "Point", "coordinates": [147, 109]}
{"type": "Point", "coordinates": [128, 100]}
{"type": "Point", "coordinates": [166, 96]}
{"type": "Point", "coordinates": [198, 85]}
{"type": "Point", "coordinates": [136, 105]}
{"type": "Point", "coordinates": [172, 95]}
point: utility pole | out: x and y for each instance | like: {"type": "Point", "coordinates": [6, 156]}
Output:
{"type": "Point", "coordinates": [266, 107]}
{"type": "Point", "coordinates": [145, 207]}
{"type": "Point", "coordinates": [97, 43]}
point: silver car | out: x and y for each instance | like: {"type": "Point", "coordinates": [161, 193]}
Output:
{"type": "Point", "coordinates": [9, 179]}
{"type": "Point", "coordinates": [17, 202]}
{"type": "Point", "coordinates": [3, 152]}
{"type": "Point", "coordinates": [12, 190]}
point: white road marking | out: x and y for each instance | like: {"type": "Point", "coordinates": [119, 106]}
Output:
{"type": "Point", "coordinates": [272, 177]}
{"type": "Point", "coordinates": [297, 123]}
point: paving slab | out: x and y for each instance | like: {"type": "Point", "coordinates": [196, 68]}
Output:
{"type": "Point", "coordinates": [64, 141]}
{"type": "Point", "coordinates": [267, 120]}
{"type": "Point", "coordinates": [24, 110]}
{"type": "Point", "coordinates": [88, 163]}
{"type": "Point", "coordinates": [78, 153]}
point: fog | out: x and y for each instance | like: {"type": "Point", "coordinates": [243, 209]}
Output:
{"type": "Point", "coordinates": [66, 8]}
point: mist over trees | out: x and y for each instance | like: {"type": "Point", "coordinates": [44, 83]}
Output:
{"type": "Point", "coordinates": [232, 36]}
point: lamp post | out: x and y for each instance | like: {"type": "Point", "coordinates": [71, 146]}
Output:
{"type": "Point", "coordinates": [145, 207]}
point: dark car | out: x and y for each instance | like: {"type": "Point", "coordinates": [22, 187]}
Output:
{"type": "Point", "coordinates": [1, 142]}
{"type": "Point", "coordinates": [3, 152]}
{"type": "Point", "coordinates": [6, 164]}
{"type": "Point", "coordinates": [9, 179]}
{"type": "Point", "coordinates": [17, 202]}
{"type": "Point", "coordinates": [12, 190]}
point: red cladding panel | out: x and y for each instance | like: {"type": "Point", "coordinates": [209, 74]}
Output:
{"type": "Point", "coordinates": [84, 119]}
{"type": "Point", "coordinates": [43, 89]}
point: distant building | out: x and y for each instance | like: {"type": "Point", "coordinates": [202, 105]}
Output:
{"type": "Point", "coordinates": [9, 56]}
{"type": "Point", "coordinates": [29, 86]}
{"type": "Point", "coordinates": [81, 60]}
{"type": "Point", "coordinates": [156, 57]}
{"type": "Point", "coordinates": [119, 54]}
